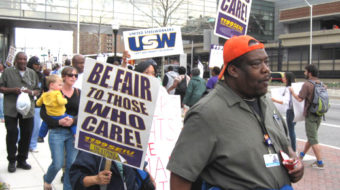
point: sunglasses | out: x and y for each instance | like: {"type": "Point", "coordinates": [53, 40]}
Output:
{"type": "Point", "coordinates": [72, 75]}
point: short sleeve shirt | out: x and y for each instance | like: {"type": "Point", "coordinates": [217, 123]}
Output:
{"type": "Point", "coordinates": [306, 93]}
{"type": "Point", "coordinates": [11, 78]}
{"type": "Point", "coordinates": [222, 143]}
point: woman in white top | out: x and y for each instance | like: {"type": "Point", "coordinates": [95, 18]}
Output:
{"type": "Point", "coordinates": [289, 78]}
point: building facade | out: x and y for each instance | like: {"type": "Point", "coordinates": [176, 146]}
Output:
{"type": "Point", "coordinates": [290, 51]}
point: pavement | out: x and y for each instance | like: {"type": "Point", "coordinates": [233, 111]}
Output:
{"type": "Point", "coordinates": [27, 179]}
{"type": "Point", "coordinates": [314, 179]}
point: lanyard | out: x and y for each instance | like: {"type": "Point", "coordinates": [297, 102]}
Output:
{"type": "Point", "coordinates": [266, 138]}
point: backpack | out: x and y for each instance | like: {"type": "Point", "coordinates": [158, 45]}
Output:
{"type": "Point", "coordinates": [143, 180]}
{"type": "Point", "coordinates": [181, 88]}
{"type": "Point", "coordinates": [320, 102]}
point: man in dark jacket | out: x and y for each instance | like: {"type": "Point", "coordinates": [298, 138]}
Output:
{"type": "Point", "coordinates": [195, 90]}
{"type": "Point", "coordinates": [87, 173]}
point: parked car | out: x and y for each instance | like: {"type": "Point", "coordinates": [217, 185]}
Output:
{"type": "Point", "coordinates": [277, 77]}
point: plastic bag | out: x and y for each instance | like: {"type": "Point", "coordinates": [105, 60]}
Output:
{"type": "Point", "coordinates": [23, 103]}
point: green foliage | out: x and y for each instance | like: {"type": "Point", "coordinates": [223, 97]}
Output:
{"type": "Point", "coordinates": [4, 186]}
{"type": "Point", "coordinates": [335, 85]}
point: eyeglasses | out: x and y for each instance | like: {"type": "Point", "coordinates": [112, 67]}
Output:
{"type": "Point", "coordinates": [72, 75]}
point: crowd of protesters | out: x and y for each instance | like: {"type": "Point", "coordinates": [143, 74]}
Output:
{"type": "Point", "coordinates": [228, 107]}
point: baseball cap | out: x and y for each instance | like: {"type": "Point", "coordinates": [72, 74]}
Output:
{"type": "Point", "coordinates": [34, 60]}
{"type": "Point", "coordinates": [235, 47]}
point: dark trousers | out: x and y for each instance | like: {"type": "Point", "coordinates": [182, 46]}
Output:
{"type": "Point", "coordinates": [291, 127]}
{"type": "Point", "coordinates": [26, 127]}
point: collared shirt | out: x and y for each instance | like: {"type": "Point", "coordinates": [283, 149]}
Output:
{"type": "Point", "coordinates": [222, 142]}
{"type": "Point", "coordinates": [11, 78]}
{"type": "Point", "coordinates": [79, 81]}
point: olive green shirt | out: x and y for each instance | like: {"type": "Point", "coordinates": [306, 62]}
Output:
{"type": "Point", "coordinates": [222, 142]}
{"type": "Point", "coordinates": [11, 78]}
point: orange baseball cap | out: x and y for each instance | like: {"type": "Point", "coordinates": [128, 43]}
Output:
{"type": "Point", "coordinates": [235, 47]}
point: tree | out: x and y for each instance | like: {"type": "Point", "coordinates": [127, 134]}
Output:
{"type": "Point", "coordinates": [164, 10]}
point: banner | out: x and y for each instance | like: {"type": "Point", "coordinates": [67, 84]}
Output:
{"type": "Point", "coordinates": [281, 94]}
{"type": "Point", "coordinates": [216, 56]}
{"type": "Point", "coordinates": [154, 42]}
{"type": "Point", "coordinates": [298, 106]}
{"type": "Point", "coordinates": [10, 56]}
{"type": "Point", "coordinates": [166, 127]}
{"type": "Point", "coordinates": [232, 18]}
{"type": "Point", "coordinates": [115, 112]}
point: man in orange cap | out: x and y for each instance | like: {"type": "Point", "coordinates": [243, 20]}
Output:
{"type": "Point", "coordinates": [233, 137]}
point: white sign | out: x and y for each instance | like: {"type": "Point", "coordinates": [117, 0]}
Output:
{"type": "Point", "coordinates": [298, 106]}
{"type": "Point", "coordinates": [154, 42]}
{"type": "Point", "coordinates": [216, 56]}
{"type": "Point", "coordinates": [281, 94]}
{"type": "Point", "coordinates": [166, 127]}
{"type": "Point", "coordinates": [10, 56]}
{"type": "Point", "coordinates": [115, 112]}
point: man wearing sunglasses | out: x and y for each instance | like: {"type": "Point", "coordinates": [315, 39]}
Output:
{"type": "Point", "coordinates": [78, 62]}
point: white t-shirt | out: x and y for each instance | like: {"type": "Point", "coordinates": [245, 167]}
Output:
{"type": "Point", "coordinates": [79, 81]}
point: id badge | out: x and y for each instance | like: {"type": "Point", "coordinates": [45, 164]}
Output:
{"type": "Point", "coordinates": [271, 160]}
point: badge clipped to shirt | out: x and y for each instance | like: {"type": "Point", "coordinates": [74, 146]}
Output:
{"type": "Point", "coordinates": [271, 160]}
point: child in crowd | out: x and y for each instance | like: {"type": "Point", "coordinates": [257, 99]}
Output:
{"type": "Point", "coordinates": [54, 102]}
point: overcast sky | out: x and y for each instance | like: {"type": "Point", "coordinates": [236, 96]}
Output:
{"type": "Point", "coordinates": [39, 41]}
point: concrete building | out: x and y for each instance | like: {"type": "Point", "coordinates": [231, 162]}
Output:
{"type": "Point", "coordinates": [95, 16]}
{"type": "Point", "coordinates": [290, 50]}
{"type": "Point", "coordinates": [282, 25]}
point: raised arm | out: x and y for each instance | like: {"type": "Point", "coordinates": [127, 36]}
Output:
{"type": "Point", "coordinates": [295, 95]}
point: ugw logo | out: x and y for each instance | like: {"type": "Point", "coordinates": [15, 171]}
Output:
{"type": "Point", "coordinates": [157, 41]}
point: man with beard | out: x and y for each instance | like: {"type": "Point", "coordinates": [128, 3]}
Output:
{"type": "Point", "coordinates": [11, 82]}
{"type": "Point", "coordinates": [312, 120]}
{"type": "Point", "coordinates": [232, 138]}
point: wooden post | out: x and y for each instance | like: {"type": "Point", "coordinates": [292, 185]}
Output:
{"type": "Point", "coordinates": [108, 164]}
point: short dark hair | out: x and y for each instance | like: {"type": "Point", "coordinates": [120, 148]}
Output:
{"type": "Point", "coordinates": [237, 62]}
{"type": "Point", "coordinates": [182, 70]}
{"type": "Point", "coordinates": [17, 55]}
{"type": "Point", "coordinates": [67, 62]}
{"type": "Point", "coordinates": [216, 70]}
{"type": "Point", "coordinates": [313, 70]}
{"type": "Point", "coordinates": [290, 77]}
{"type": "Point", "coordinates": [195, 72]}
{"type": "Point", "coordinates": [170, 68]}
{"type": "Point", "coordinates": [33, 60]}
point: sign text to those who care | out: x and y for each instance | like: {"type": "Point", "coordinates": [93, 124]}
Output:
{"type": "Point", "coordinates": [115, 106]}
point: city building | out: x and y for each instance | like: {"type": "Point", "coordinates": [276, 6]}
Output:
{"type": "Point", "coordinates": [290, 51]}
{"type": "Point", "coordinates": [95, 16]}
{"type": "Point", "coordinates": [284, 26]}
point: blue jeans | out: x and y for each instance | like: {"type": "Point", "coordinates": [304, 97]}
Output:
{"type": "Point", "coordinates": [2, 107]}
{"type": "Point", "coordinates": [36, 127]}
{"type": "Point", "coordinates": [291, 127]}
{"type": "Point", "coordinates": [61, 141]}
{"type": "Point", "coordinates": [44, 128]}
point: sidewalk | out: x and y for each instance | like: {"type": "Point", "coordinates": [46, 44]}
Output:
{"type": "Point", "coordinates": [313, 179]}
{"type": "Point", "coordinates": [27, 179]}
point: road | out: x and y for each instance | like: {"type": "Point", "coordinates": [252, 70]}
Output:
{"type": "Point", "coordinates": [329, 131]}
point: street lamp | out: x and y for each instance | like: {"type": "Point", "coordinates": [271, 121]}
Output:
{"type": "Point", "coordinates": [311, 31]}
{"type": "Point", "coordinates": [115, 28]}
